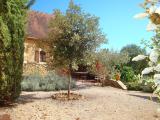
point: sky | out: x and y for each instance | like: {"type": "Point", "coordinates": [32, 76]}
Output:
{"type": "Point", "coordinates": [116, 19]}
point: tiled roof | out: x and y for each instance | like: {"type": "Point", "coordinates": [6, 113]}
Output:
{"type": "Point", "coordinates": [37, 26]}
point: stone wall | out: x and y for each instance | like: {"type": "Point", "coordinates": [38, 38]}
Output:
{"type": "Point", "coordinates": [29, 51]}
{"type": "Point", "coordinates": [31, 68]}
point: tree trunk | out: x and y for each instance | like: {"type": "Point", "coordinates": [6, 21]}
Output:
{"type": "Point", "coordinates": [69, 81]}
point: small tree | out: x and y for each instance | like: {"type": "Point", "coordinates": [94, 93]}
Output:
{"type": "Point", "coordinates": [73, 36]}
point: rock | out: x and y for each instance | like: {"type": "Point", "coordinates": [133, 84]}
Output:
{"type": "Point", "coordinates": [116, 84]}
{"type": "Point", "coordinates": [121, 85]}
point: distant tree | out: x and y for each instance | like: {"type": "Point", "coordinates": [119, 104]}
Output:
{"type": "Point", "coordinates": [12, 32]}
{"type": "Point", "coordinates": [72, 37]}
{"type": "Point", "coordinates": [105, 62]}
{"type": "Point", "coordinates": [133, 50]}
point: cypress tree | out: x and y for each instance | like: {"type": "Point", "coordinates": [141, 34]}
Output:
{"type": "Point", "coordinates": [12, 32]}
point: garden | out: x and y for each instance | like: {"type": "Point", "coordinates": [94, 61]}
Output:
{"type": "Point", "coordinates": [74, 44]}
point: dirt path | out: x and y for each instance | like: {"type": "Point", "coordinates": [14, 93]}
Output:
{"type": "Point", "coordinates": [100, 104]}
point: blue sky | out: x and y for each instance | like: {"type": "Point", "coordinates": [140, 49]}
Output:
{"type": "Point", "coordinates": [116, 18]}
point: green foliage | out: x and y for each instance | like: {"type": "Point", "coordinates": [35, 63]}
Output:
{"type": "Point", "coordinates": [157, 92]}
{"type": "Point", "coordinates": [127, 74]}
{"type": "Point", "coordinates": [12, 31]}
{"type": "Point", "coordinates": [31, 82]}
{"type": "Point", "coordinates": [50, 82]}
{"type": "Point", "coordinates": [74, 35]}
{"type": "Point", "coordinates": [145, 84]}
{"type": "Point", "coordinates": [148, 84]}
{"type": "Point", "coordinates": [136, 86]}
{"type": "Point", "coordinates": [138, 66]}
{"type": "Point", "coordinates": [156, 45]}
{"type": "Point", "coordinates": [154, 57]}
{"type": "Point", "coordinates": [108, 60]}
{"type": "Point", "coordinates": [133, 50]}
{"type": "Point", "coordinates": [156, 40]}
{"type": "Point", "coordinates": [30, 3]}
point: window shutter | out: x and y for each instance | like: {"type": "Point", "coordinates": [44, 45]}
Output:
{"type": "Point", "coordinates": [37, 56]}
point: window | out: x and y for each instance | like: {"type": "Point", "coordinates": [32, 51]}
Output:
{"type": "Point", "coordinates": [42, 56]}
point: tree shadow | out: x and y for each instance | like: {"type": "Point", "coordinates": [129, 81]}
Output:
{"type": "Point", "coordinates": [85, 84]}
{"type": "Point", "coordinates": [151, 98]}
{"type": "Point", "coordinates": [27, 98]}
{"type": "Point", "coordinates": [23, 99]}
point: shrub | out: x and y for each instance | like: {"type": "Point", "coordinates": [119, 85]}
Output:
{"type": "Point", "coordinates": [148, 85]}
{"type": "Point", "coordinates": [50, 82]}
{"type": "Point", "coordinates": [31, 82]}
{"type": "Point", "coordinates": [127, 74]}
{"type": "Point", "coordinates": [134, 86]}
{"type": "Point", "coordinates": [157, 91]}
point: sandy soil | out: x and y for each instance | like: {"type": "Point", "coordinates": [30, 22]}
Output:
{"type": "Point", "coordinates": [99, 104]}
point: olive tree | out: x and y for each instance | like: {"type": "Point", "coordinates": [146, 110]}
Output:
{"type": "Point", "coordinates": [73, 35]}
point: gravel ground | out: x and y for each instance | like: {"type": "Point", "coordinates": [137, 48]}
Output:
{"type": "Point", "coordinates": [99, 104]}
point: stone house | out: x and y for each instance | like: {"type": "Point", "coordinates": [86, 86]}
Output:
{"type": "Point", "coordinates": [35, 52]}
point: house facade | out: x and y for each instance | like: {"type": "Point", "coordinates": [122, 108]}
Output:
{"type": "Point", "coordinates": [35, 52]}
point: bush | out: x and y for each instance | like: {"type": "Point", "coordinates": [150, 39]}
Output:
{"type": "Point", "coordinates": [136, 86]}
{"type": "Point", "coordinates": [148, 85]}
{"type": "Point", "coordinates": [50, 82]}
{"type": "Point", "coordinates": [31, 82]}
{"type": "Point", "coordinates": [157, 91]}
{"type": "Point", "coordinates": [127, 74]}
